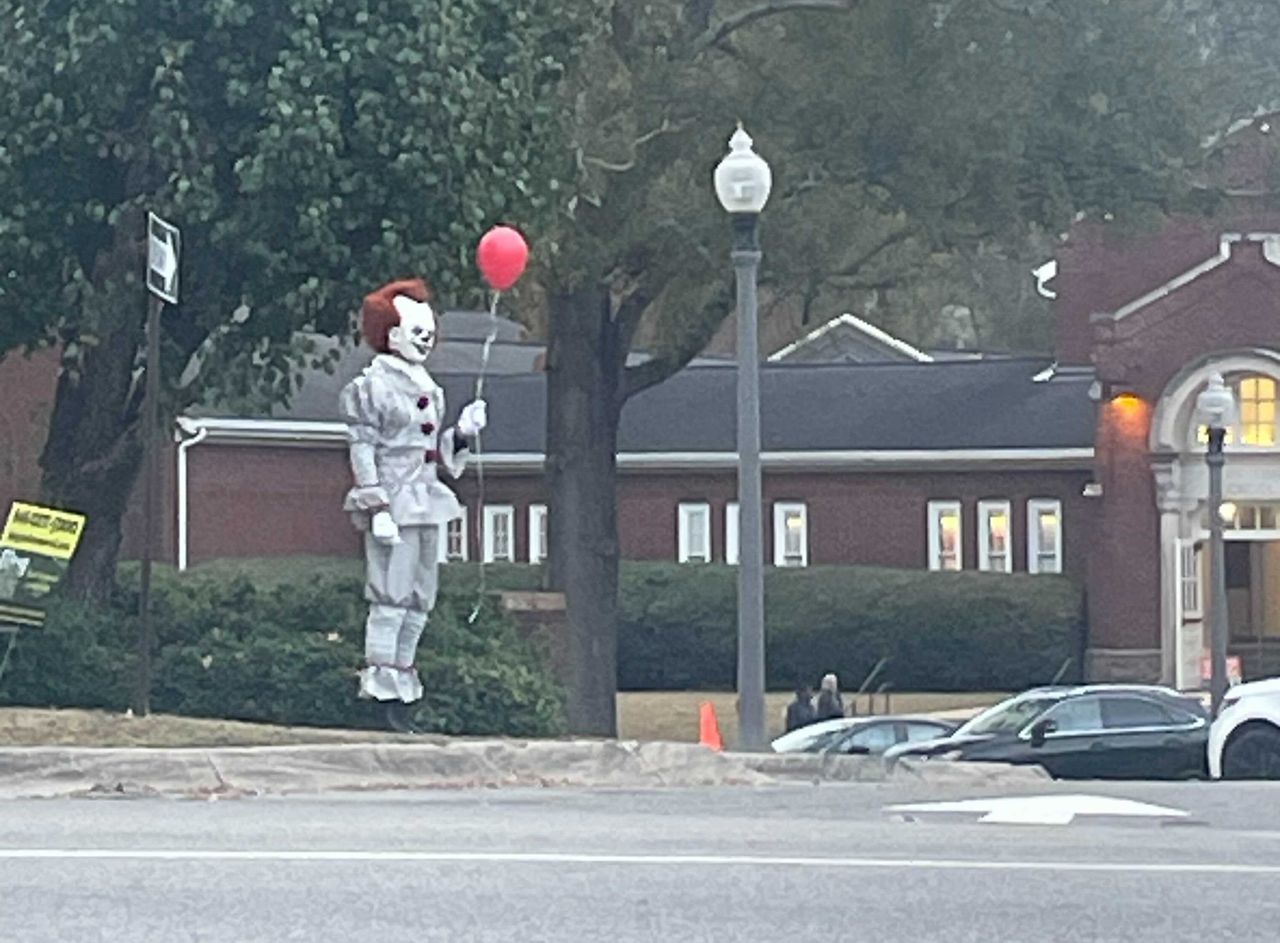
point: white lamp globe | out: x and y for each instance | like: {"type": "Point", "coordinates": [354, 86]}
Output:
{"type": "Point", "coordinates": [743, 179]}
{"type": "Point", "coordinates": [1216, 405]}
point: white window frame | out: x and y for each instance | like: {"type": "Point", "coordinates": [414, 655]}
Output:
{"type": "Point", "coordinates": [492, 514]}
{"type": "Point", "coordinates": [686, 511]}
{"type": "Point", "coordinates": [1035, 507]}
{"type": "Point", "coordinates": [1191, 587]}
{"type": "Point", "coordinates": [988, 509]}
{"type": "Point", "coordinates": [460, 525]}
{"type": "Point", "coordinates": [781, 510]}
{"type": "Point", "coordinates": [732, 517]}
{"type": "Point", "coordinates": [938, 510]}
{"type": "Point", "coordinates": [537, 533]}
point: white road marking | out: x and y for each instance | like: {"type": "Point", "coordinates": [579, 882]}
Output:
{"type": "Point", "coordinates": [516, 857]}
{"type": "Point", "coordinates": [1043, 810]}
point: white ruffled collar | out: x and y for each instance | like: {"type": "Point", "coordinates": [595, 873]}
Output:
{"type": "Point", "coordinates": [395, 367]}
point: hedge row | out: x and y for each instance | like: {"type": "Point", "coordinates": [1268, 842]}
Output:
{"type": "Point", "coordinates": [280, 641]}
{"type": "Point", "coordinates": [283, 645]}
{"type": "Point", "coordinates": [939, 631]}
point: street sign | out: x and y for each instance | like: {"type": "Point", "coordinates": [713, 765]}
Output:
{"type": "Point", "coordinates": [35, 548]}
{"type": "Point", "coordinates": [164, 245]}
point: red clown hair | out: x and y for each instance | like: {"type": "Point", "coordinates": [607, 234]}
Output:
{"type": "Point", "coordinates": [378, 314]}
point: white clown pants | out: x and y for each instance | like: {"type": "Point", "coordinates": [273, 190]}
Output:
{"type": "Point", "coordinates": [390, 644]}
{"type": "Point", "coordinates": [400, 584]}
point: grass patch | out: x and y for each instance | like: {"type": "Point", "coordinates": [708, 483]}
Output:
{"type": "Point", "coordinates": [642, 715]}
{"type": "Point", "coordinates": [27, 726]}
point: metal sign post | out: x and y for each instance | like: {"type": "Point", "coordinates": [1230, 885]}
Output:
{"type": "Point", "coordinates": [163, 248]}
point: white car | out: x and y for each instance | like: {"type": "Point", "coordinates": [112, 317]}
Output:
{"type": "Point", "coordinates": [1244, 742]}
{"type": "Point", "coordinates": [868, 735]}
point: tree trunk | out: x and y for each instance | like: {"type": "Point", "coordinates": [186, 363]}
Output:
{"type": "Point", "coordinates": [585, 359]}
{"type": "Point", "coordinates": [93, 452]}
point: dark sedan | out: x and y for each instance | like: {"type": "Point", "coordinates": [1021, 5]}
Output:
{"type": "Point", "coordinates": [1091, 732]}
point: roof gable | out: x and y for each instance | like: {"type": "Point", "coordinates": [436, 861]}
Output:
{"type": "Point", "coordinates": [1227, 244]}
{"type": "Point", "coordinates": [849, 339]}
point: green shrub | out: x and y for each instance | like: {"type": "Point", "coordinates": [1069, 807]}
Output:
{"type": "Point", "coordinates": [259, 645]}
{"type": "Point", "coordinates": [82, 658]}
{"type": "Point", "coordinates": [940, 631]}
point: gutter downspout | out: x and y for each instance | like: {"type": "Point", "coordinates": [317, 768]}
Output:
{"type": "Point", "coordinates": [197, 435]}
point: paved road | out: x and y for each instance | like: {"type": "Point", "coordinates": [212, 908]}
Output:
{"type": "Point", "coordinates": [794, 862]}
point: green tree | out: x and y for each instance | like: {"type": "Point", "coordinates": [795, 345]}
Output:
{"type": "Point", "coordinates": [309, 149]}
{"type": "Point", "coordinates": [899, 133]}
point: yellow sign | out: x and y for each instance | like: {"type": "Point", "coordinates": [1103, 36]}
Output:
{"type": "Point", "coordinates": [45, 531]}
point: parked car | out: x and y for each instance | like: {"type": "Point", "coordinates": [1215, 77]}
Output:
{"type": "Point", "coordinates": [1105, 731]}
{"type": "Point", "coordinates": [1244, 742]}
{"type": "Point", "coordinates": [861, 735]}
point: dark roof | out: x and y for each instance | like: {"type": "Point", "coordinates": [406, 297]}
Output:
{"type": "Point", "coordinates": [476, 325]}
{"type": "Point", "coordinates": [459, 353]}
{"type": "Point", "coordinates": [980, 404]}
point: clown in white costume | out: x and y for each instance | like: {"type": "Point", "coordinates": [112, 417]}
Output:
{"type": "Point", "coordinates": [395, 413]}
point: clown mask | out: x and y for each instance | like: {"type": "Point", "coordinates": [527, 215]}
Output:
{"type": "Point", "coordinates": [414, 337]}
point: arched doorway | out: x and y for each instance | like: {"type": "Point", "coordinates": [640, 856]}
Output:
{"type": "Point", "coordinates": [1251, 512]}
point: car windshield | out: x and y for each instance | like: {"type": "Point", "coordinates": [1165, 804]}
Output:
{"type": "Point", "coordinates": [1008, 717]}
{"type": "Point", "coordinates": [813, 737]}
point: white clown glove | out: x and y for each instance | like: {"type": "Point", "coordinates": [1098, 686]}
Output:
{"type": "Point", "coordinates": [473, 419]}
{"type": "Point", "coordinates": [384, 529]}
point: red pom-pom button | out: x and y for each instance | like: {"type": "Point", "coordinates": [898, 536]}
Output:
{"type": "Point", "coordinates": [424, 402]}
{"type": "Point", "coordinates": [430, 455]}
{"type": "Point", "coordinates": [428, 427]}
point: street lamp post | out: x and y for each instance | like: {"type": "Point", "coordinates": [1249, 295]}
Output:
{"type": "Point", "coordinates": [1215, 407]}
{"type": "Point", "coordinates": [742, 182]}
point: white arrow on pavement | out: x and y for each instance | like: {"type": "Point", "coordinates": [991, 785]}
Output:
{"type": "Point", "coordinates": [1042, 810]}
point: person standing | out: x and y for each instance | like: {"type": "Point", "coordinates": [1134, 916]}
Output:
{"type": "Point", "coordinates": [830, 704]}
{"type": "Point", "coordinates": [800, 711]}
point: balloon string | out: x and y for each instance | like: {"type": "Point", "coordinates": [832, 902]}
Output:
{"type": "Point", "coordinates": [482, 586]}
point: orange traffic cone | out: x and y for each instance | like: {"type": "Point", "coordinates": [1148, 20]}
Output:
{"type": "Point", "coordinates": [709, 728]}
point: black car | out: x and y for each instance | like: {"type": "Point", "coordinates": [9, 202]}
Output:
{"type": "Point", "coordinates": [1107, 731]}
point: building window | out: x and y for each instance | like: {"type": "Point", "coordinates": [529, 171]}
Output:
{"type": "Point", "coordinates": [1044, 536]}
{"type": "Point", "coordinates": [1257, 398]}
{"type": "Point", "coordinates": [1189, 580]}
{"type": "Point", "coordinates": [537, 533]}
{"type": "Point", "coordinates": [499, 533]}
{"type": "Point", "coordinates": [994, 553]}
{"type": "Point", "coordinates": [1256, 414]}
{"type": "Point", "coordinates": [790, 534]}
{"type": "Point", "coordinates": [693, 544]}
{"type": "Point", "coordinates": [945, 548]}
{"type": "Point", "coordinates": [731, 533]}
{"type": "Point", "coordinates": [1250, 517]}
{"type": "Point", "coordinates": [454, 545]}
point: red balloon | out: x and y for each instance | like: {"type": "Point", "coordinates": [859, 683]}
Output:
{"type": "Point", "coordinates": [502, 256]}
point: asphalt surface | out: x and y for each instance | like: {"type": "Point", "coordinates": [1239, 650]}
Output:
{"type": "Point", "coordinates": [776, 863]}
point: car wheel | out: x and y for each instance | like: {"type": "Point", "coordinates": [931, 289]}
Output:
{"type": "Point", "coordinates": [1254, 753]}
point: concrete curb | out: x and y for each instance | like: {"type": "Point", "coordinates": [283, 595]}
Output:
{"type": "Point", "coordinates": [43, 772]}
{"type": "Point", "coordinates": [38, 772]}
{"type": "Point", "coordinates": [825, 767]}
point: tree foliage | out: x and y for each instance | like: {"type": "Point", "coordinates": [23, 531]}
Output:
{"type": "Point", "coordinates": [908, 141]}
{"type": "Point", "coordinates": [307, 149]}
